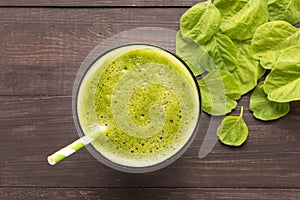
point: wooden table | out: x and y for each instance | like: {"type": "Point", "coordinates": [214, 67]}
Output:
{"type": "Point", "coordinates": [42, 45]}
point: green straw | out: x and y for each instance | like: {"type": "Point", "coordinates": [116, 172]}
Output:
{"type": "Point", "coordinates": [75, 146]}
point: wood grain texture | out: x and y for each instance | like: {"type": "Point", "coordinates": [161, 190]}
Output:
{"type": "Point", "coordinates": [148, 193]}
{"type": "Point", "coordinates": [41, 53]}
{"type": "Point", "coordinates": [42, 44]}
{"type": "Point", "coordinates": [102, 3]}
{"type": "Point", "coordinates": [34, 127]}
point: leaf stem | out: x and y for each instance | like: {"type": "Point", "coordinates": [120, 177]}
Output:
{"type": "Point", "coordinates": [242, 111]}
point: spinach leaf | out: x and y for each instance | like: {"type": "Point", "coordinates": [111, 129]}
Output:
{"type": "Point", "coordinates": [194, 55]}
{"type": "Point", "coordinates": [283, 82]}
{"type": "Point", "coordinates": [271, 39]}
{"type": "Point", "coordinates": [219, 92]}
{"type": "Point", "coordinates": [261, 72]}
{"type": "Point", "coordinates": [240, 18]}
{"type": "Point", "coordinates": [200, 22]}
{"type": "Point", "coordinates": [248, 70]}
{"type": "Point", "coordinates": [263, 108]}
{"type": "Point", "coordinates": [223, 52]}
{"type": "Point", "coordinates": [233, 130]}
{"type": "Point", "coordinates": [287, 10]}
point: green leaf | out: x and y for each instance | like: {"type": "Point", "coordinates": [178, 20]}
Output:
{"type": "Point", "coordinates": [287, 10]}
{"type": "Point", "coordinates": [248, 70]}
{"type": "Point", "coordinates": [233, 130]}
{"type": "Point", "coordinates": [240, 18]}
{"type": "Point", "coordinates": [271, 39]}
{"type": "Point", "coordinates": [194, 55]}
{"type": "Point", "coordinates": [223, 52]}
{"type": "Point", "coordinates": [200, 22]}
{"type": "Point", "coordinates": [219, 92]}
{"type": "Point", "coordinates": [283, 82]}
{"type": "Point", "coordinates": [261, 72]}
{"type": "Point", "coordinates": [263, 108]}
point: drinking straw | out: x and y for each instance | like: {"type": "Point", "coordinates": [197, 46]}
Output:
{"type": "Point", "coordinates": [75, 146]}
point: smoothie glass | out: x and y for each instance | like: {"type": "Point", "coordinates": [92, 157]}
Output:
{"type": "Point", "coordinates": [148, 101]}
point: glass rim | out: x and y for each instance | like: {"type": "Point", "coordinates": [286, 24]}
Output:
{"type": "Point", "coordinates": [131, 169]}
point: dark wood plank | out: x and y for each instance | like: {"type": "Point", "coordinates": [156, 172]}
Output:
{"type": "Point", "coordinates": [148, 193]}
{"type": "Point", "coordinates": [95, 3]}
{"type": "Point", "coordinates": [41, 53]}
{"type": "Point", "coordinates": [34, 127]}
{"type": "Point", "coordinates": [39, 56]}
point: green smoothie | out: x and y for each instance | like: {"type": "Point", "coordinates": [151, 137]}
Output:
{"type": "Point", "coordinates": [147, 100]}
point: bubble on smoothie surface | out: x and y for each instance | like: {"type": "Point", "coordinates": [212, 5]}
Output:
{"type": "Point", "coordinates": [148, 104]}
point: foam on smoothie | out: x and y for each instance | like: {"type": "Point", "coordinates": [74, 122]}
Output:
{"type": "Point", "coordinates": [147, 100]}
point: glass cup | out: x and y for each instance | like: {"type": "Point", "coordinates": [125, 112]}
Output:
{"type": "Point", "coordinates": [148, 101]}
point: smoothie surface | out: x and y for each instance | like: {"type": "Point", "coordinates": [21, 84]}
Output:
{"type": "Point", "coordinates": [146, 99]}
